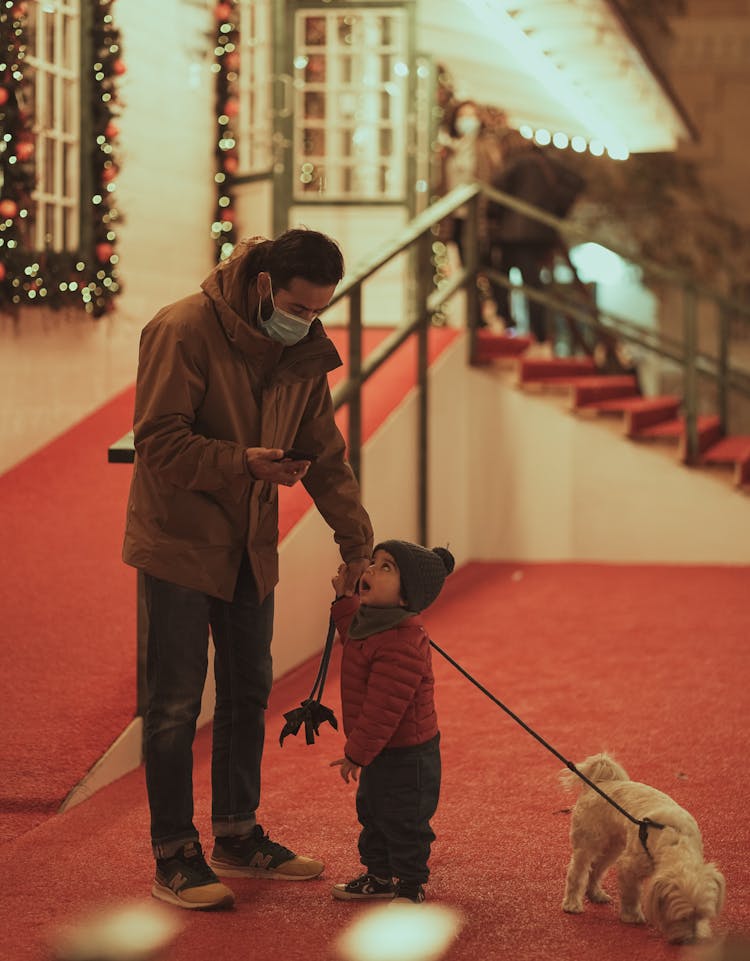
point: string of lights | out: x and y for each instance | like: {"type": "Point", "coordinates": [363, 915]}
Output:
{"type": "Point", "coordinates": [226, 69]}
{"type": "Point", "coordinates": [84, 278]}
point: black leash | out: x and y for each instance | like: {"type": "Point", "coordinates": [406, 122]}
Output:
{"type": "Point", "coordinates": [311, 713]}
{"type": "Point", "coordinates": [643, 823]}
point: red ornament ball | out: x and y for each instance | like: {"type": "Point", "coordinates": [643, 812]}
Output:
{"type": "Point", "coordinates": [111, 131]}
{"type": "Point", "coordinates": [8, 209]}
{"type": "Point", "coordinates": [24, 150]}
{"type": "Point", "coordinates": [104, 252]}
{"type": "Point", "coordinates": [223, 11]}
{"type": "Point", "coordinates": [4, 95]}
{"type": "Point", "coordinates": [119, 67]}
{"type": "Point", "coordinates": [232, 107]}
{"type": "Point", "coordinates": [231, 165]}
{"type": "Point", "coordinates": [3, 272]}
{"type": "Point", "coordinates": [109, 174]}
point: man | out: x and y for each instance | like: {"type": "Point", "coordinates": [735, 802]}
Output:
{"type": "Point", "coordinates": [520, 241]}
{"type": "Point", "coordinates": [228, 380]}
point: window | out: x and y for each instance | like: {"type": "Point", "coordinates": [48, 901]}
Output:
{"type": "Point", "coordinates": [254, 109]}
{"type": "Point", "coordinates": [351, 89]}
{"type": "Point", "coordinates": [57, 238]}
{"type": "Point", "coordinates": [53, 63]}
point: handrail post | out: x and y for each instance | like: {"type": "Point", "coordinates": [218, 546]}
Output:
{"type": "Point", "coordinates": [723, 366]}
{"type": "Point", "coordinates": [471, 253]}
{"type": "Point", "coordinates": [690, 377]}
{"type": "Point", "coordinates": [355, 373]}
{"type": "Point", "coordinates": [423, 288]}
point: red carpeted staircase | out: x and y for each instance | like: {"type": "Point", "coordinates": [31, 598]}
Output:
{"type": "Point", "coordinates": [644, 418]}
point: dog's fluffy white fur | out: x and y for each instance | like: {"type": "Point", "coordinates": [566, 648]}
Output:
{"type": "Point", "coordinates": [681, 892]}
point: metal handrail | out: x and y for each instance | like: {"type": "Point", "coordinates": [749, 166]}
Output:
{"type": "Point", "coordinates": [417, 238]}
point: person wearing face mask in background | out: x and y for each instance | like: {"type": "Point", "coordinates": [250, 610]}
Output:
{"type": "Point", "coordinates": [228, 380]}
{"type": "Point", "coordinates": [470, 152]}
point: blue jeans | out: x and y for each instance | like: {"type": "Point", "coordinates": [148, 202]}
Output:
{"type": "Point", "coordinates": [177, 661]}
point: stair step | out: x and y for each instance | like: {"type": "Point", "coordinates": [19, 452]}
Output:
{"type": "Point", "coordinates": [648, 411]}
{"type": "Point", "coordinates": [555, 370]}
{"type": "Point", "coordinates": [706, 423]}
{"type": "Point", "coordinates": [491, 346]}
{"type": "Point", "coordinates": [729, 450]}
{"type": "Point", "coordinates": [617, 405]}
{"type": "Point", "coordinates": [588, 392]}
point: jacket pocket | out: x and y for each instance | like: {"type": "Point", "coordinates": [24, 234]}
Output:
{"type": "Point", "coordinates": [197, 518]}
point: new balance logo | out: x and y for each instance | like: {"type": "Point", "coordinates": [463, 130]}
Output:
{"type": "Point", "coordinates": [259, 860]}
{"type": "Point", "coordinates": [177, 882]}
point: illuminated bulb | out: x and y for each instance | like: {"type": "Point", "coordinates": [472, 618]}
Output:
{"type": "Point", "coordinates": [526, 131]}
{"type": "Point", "coordinates": [618, 153]}
{"type": "Point", "coordinates": [596, 147]}
{"type": "Point", "coordinates": [560, 140]}
{"type": "Point", "coordinates": [399, 932]}
{"type": "Point", "coordinates": [578, 144]}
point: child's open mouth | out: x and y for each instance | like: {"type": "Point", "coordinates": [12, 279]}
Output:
{"type": "Point", "coordinates": [364, 585]}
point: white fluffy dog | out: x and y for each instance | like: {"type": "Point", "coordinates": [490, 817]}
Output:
{"type": "Point", "coordinates": [681, 892]}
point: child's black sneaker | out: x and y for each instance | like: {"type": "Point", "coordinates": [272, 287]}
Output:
{"type": "Point", "coordinates": [257, 856]}
{"type": "Point", "coordinates": [364, 888]}
{"type": "Point", "coordinates": [187, 881]}
{"type": "Point", "coordinates": [409, 891]}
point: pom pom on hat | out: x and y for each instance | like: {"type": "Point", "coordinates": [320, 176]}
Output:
{"type": "Point", "coordinates": [422, 571]}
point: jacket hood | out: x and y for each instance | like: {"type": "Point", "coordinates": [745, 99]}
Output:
{"type": "Point", "coordinates": [231, 289]}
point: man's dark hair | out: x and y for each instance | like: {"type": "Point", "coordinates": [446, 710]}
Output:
{"type": "Point", "coordinates": [304, 253]}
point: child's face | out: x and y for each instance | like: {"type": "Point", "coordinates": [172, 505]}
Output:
{"type": "Point", "coordinates": [380, 585]}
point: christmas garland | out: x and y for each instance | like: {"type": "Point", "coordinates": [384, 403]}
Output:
{"type": "Point", "coordinates": [84, 278]}
{"type": "Point", "coordinates": [226, 68]}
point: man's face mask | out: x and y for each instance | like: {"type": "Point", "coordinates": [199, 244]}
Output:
{"type": "Point", "coordinates": [468, 125]}
{"type": "Point", "coordinates": [281, 326]}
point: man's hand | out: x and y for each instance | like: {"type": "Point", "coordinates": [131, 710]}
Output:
{"type": "Point", "coordinates": [265, 464]}
{"type": "Point", "coordinates": [351, 575]}
{"type": "Point", "coordinates": [347, 768]}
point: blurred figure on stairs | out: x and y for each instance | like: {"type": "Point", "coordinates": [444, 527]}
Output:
{"type": "Point", "coordinates": [516, 240]}
{"type": "Point", "coordinates": [469, 151]}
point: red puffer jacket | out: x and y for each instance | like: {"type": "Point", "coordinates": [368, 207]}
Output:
{"type": "Point", "coordinates": [387, 686]}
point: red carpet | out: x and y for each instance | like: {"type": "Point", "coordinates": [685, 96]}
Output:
{"type": "Point", "coordinates": [67, 667]}
{"type": "Point", "coordinates": [651, 663]}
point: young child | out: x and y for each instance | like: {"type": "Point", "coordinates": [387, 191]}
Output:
{"type": "Point", "coordinates": [390, 724]}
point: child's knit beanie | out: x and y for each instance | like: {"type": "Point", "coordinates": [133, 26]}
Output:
{"type": "Point", "coordinates": [423, 571]}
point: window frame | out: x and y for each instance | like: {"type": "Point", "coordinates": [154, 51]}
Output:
{"type": "Point", "coordinates": [383, 165]}
{"type": "Point", "coordinates": [83, 277]}
{"type": "Point", "coordinates": [57, 195]}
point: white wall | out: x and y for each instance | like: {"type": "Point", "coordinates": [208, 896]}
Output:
{"type": "Point", "coordinates": [557, 486]}
{"type": "Point", "coordinates": [361, 232]}
{"type": "Point", "coordinates": [57, 367]}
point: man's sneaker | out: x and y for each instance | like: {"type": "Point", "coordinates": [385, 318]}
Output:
{"type": "Point", "coordinates": [409, 891]}
{"type": "Point", "coordinates": [258, 856]}
{"type": "Point", "coordinates": [364, 888]}
{"type": "Point", "coordinates": [187, 881]}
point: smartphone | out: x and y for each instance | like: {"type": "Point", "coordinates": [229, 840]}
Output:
{"type": "Point", "coordinates": [294, 454]}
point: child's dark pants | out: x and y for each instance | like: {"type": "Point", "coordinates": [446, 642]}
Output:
{"type": "Point", "coordinates": [397, 795]}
